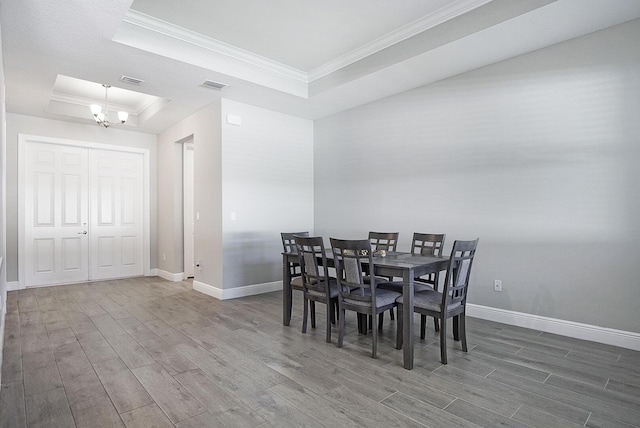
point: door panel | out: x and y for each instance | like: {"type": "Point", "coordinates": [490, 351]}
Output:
{"type": "Point", "coordinates": [56, 212]}
{"type": "Point", "coordinates": [83, 214]}
{"type": "Point", "coordinates": [117, 214]}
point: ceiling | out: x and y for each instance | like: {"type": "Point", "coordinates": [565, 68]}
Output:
{"type": "Point", "coordinates": [309, 59]}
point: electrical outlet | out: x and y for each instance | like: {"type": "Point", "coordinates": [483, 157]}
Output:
{"type": "Point", "coordinates": [497, 285]}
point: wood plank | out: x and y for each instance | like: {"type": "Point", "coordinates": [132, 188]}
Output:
{"type": "Point", "coordinates": [97, 349]}
{"type": "Point", "coordinates": [12, 405]}
{"type": "Point", "coordinates": [96, 412]}
{"type": "Point", "coordinates": [539, 419]}
{"type": "Point", "coordinates": [49, 409]}
{"type": "Point", "coordinates": [424, 412]}
{"type": "Point", "coordinates": [107, 326]}
{"type": "Point", "coordinates": [130, 351]}
{"type": "Point", "coordinates": [170, 396]}
{"type": "Point", "coordinates": [145, 417]}
{"type": "Point", "coordinates": [481, 416]}
{"type": "Point", "coordinates": [225, 409]}
{"type": "Point", "coordinates": [167, 356]}
{"type": "Point", "coordinates": [122, 386]}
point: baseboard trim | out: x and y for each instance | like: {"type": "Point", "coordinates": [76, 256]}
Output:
{"type": "Point", "coordinates": [169, 276]}
{"type": "Point", "coordinates": [153, 272]}
{"type": "Point", "coordinates": [14, 286]}
{"type": "Point", "coordinates": [207, 289]}
{"type": "Point", "coordinates": [608, 336]}
{"type": "Point", "coordinates": [234, 293]}
{"type": "Point", "coordinates": [2, 321]}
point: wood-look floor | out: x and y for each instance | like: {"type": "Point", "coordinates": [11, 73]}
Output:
{"type": "Point", "coordinates": [150, 353]}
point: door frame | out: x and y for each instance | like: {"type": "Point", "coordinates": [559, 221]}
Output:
{"type": "Point", "coordinates": [24, 139]}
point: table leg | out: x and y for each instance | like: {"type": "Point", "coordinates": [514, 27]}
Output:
{"type": "Point", "coordinates": [287, 293]}
{"type": "Point", "coordinates": [407, 320]}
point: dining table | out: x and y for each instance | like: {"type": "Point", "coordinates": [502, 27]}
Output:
{"type": "Point", "coordinates": [395, 264]}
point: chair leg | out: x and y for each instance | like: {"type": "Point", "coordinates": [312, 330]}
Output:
{"type": "Point", "coordinates": [333, 308]}
{"type": "Point", "coordinates": [423, 326]}
{"type": "Point", "coordinates": [399, 328]}
{"type": "Point", "coordinates": [328, 321]}
{"type": "Point", "coordinates": [305, 313]}
{"type": "Point", "coordinates": [313, 313]}
{"type": "Point", "coordinates": [380, 320]}
{"type": "Point", "coordinates": [341, 328]}
{"type": "Point", "coordinates": [370, 322]}
{"type": "Point", "coordinates": [374, 346]}
{"type": "Point", "coordinates": [436, 324]}
{"type": "Point", "coordinates": [443, 341]}
{"type": "Point", "coordinates": [391, 314]}
{"type": "Point", "coordinates": [463, 331]}
{"type": "Point", "coordinates": [456, 328]}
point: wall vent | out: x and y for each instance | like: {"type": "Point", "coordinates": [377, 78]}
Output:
{"type": "Point", "coordinates": [213, 85]}
{"type": "Point", "coordinates": [131, 80]}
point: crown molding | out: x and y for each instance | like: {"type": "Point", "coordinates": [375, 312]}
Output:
{"type": "Point", "coordinates": [84, 101]}
{"type": "Point", "coordinates": [165, 28]}
{"type": "Point", "coordinates": [443, 14]}
{"type": "Point", "coordinates": [438, 17]}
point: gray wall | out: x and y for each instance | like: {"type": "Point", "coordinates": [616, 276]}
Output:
{"type": "Point", "coordinates": [3, 202]}
{"type": "Point", "coordinates": [251, 182]}
{"type": "Point", "coordinates": [537, 156]}
{"type": "Point", "coordinates": [20, 124]}
{"type": "Point", "coordinates": [205, 128]}
{"type": "Point", "coordinates": [267, 178]}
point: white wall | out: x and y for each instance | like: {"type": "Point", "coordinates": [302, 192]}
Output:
{"type": "Point", "coordinates": [204, 127]}
{"type": "Point", "coordinates": [536, 155]}
{"type": "Point", "coordinates": [267, 189]}
{"type": "Point", "coordinates": [251, 182]}
{"type": "Point", "coordinates": [20, 124]}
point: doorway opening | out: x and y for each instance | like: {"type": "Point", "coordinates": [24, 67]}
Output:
{"type": "Point", "coordinates": [187, 210]}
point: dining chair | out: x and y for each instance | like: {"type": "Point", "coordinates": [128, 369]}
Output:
{"type": "Point", "coordinates": [387, 241]}
{"type": "Point", "coordinates": [357, 290]}
{"type": "Point", "coordinates": [451, 302]}
{"type": "Point", "coordinates": [317, 285]}
{"type": "Point", "coordinates": [427, 244]}
{"type": "Point", "coordinates": [289, 246]}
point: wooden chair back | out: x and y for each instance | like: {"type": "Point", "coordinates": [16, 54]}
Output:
{"type": "Point", "coordinates": [456, 282]}
{"type": "Point", "coordinates": [387, 241]}
{"type": "Point", "coordinates": [428, 244]}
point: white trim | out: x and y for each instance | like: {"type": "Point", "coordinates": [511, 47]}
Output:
{"type": "Point", "coordinates": [156, 25]}
{"type": "Point", "coordinates": [14, 286]}
{"type": "Point", "coordinates": [446, 13]}
{"type": "Point", "coordinates": [594, 333]}
{"type": "Point", "coordinates": [233, 293]}
{"type": "Point", "coordinates": [438, 17]}
{"type": "Point", "coordinates": [153, 272]}
{"type": "Point", "coordinates": [169, 276]}
{"type": "Point", "coordinates": [207, 289]}
{"type": "Point", "coordinates": [2, 323]}
{"type": "Point", "coordinates": [24, 139]}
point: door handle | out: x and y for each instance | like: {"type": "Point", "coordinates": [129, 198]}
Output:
{"type": "Point", "coordinates": [82, 233]}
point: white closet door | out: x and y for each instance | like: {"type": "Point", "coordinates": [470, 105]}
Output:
{"type": "Point", "coordinates": [116, 238]}
{"type": "Point", "coordinates": [56, 239]}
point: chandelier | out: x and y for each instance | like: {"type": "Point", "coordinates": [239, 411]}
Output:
{"type": "Point", "coordinates": [103, 118]}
